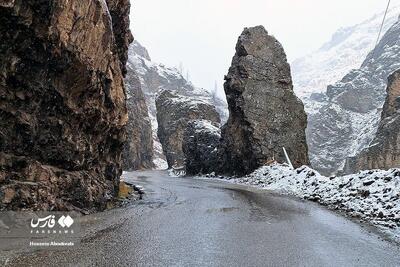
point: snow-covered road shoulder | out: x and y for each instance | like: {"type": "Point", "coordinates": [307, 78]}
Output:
{"type": "Point", "coordinates": [373, 195]}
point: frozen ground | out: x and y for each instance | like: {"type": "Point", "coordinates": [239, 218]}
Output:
{"type": "Point", "coordinates": [372, 196]}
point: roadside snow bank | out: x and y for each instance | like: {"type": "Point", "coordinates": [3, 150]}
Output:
{"type": "Point", "coordinates": [373, 196]}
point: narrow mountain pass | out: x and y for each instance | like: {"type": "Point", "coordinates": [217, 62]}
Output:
{"type": "Point", "coordinates": [195, 222]}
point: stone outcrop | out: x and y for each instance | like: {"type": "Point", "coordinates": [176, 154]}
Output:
{"type": "Point", "coordinates": [348, 117]}
{"type": "Point", "coordinates": [200, 147]}
{"type": "Point", "coordinates": [174, 112]}
{"type": "Point", "coordinates": [384, 151]}
{"type": "Point", "coordinates": [265, 115]}
{"type": "Point", "coordinates": [119, 11]}
{"type": "Point", "coordinates": [138, 150]}
{"type": "Point", "coordinates": [62, 102]}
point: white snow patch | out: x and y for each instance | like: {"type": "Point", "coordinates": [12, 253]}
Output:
{"type": "Point", "coordinates": [207, 126]}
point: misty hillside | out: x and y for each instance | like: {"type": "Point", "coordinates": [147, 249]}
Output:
{"type": "Point", "coordinates": [346, 50]}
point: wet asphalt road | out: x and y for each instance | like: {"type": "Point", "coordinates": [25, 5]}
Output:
{"type": "Point", "coordinates": [191, 222]}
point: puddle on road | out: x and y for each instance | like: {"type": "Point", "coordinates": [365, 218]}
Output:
{"type": "Point", "coordinates": [228, 209]}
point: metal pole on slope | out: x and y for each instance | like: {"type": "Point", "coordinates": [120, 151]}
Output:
{"type": "Point", "coordinates": [287, 158]}
{"type": "Point", "coordinates": [380, 30]}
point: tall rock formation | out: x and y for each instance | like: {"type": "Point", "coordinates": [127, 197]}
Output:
{"type": "Point", "coordinates": [155, 77]}
{"type": "Point", "coordinates": [384, 151]}
{"type": "Point", "coordinates": [265, 115]}
{"type": "Point", "coordinates": [347, 120]}
{"type": "Point", "coordinates": [62, 102]}
{"type": "Point", "coordinates": [174, 112]}
{"type": "Point", "coordinates": [138, 150]}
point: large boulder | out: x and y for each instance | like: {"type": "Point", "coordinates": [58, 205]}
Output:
{"type": "Point", "coordinates": [174, 112]}
{"type": "Point", "coordinates": [138, 150]}
{"type": "Point", "coordinates": [384, 151]}
{"type": "Point", "coordinates": [265, 115]}
{"type": "Point", "coordinates": [155, 77]}
{"type": "Point", "coordinates": [62, 102]}
{"type": "Point", "coordinates": [200, 146]}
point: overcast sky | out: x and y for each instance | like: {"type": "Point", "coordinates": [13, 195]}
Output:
{"type": "Point", "coordinates": [202, 33]}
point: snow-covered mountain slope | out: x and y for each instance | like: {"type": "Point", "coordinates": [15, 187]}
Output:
{"type": "Point", "coordinates": [155, 77]}
{"type": "Point", "coordinates": [346, 50]}
{"type": "Point", "coordinates": [348, 116]}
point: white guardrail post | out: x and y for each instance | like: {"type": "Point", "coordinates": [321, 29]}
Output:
{"type": "Point", "coordinates": [287, 158]}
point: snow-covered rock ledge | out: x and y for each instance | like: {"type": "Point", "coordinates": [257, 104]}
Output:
{"type": "Point", "coordinates": [373, 196]}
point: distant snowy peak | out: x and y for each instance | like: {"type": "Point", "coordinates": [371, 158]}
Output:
{"type": "Point", "coordinates": [363, 89]}
{"type": "Point", "coordinates": [156, 76]}
{"type": "Point", "coordinates": [346, 50]}
{"type": "Point", "coordinates": [137, 49]}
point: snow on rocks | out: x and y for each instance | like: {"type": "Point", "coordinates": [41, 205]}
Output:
{"type": "Point", "coordinates": [372, 196]}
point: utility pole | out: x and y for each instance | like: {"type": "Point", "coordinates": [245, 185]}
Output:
{"type": "Point", "coordinates": [187, 76]}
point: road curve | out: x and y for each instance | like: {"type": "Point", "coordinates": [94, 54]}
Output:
{"type": "Point", "coordinates": [193, 222]}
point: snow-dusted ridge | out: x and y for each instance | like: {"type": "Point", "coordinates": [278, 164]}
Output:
{"type": "Point", "coordinates": [373, 196]}
{"type": "Point", "coordinates": [346, 50]}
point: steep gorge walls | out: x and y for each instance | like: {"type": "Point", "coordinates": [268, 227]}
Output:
{"type": "Point", "coordinates": [347, 117]}
{"type": "Point", "coordinates": [384, 151]}
{"type": "Point", "coordinates": [138, 149]}
{"type": "Point", "coordinates": [265, 115]}
{"type": "Point", "coordinates": [62, 102]}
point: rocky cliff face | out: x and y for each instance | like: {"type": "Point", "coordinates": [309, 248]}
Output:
{"type": "Point", "coordinates": [348, 118]}
{"type": "Point", "coordinates": [384, 151]}
{"type": "Point", "coordinates": [265, 114]}
{"type": "Point", "coordinates": [200, 147]}
{"type": "Point", "coordinates": [154, 78]}
{"type": "Point", "coordinates": [138, 150]}
{"type": "Point", "coordinates": [62, 102]}
{"type": "Point", "coordinates": [174, 112]}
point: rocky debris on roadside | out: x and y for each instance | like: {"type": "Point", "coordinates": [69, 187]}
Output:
{"type": "Point", "coordinates": [62, 103]}
{"type": "Point", "coordinates": [138, 149]}
{"type": "Point", "coordinates": [174, 112]}
{"type": "Point", "coordinates": [373, 195]}
{"type": "Point", "coordinates": [384, 151]}
{"type": "Point", "coordinates": [200, 143]}
{"type": "Point", "coordinates": [265, 115]}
